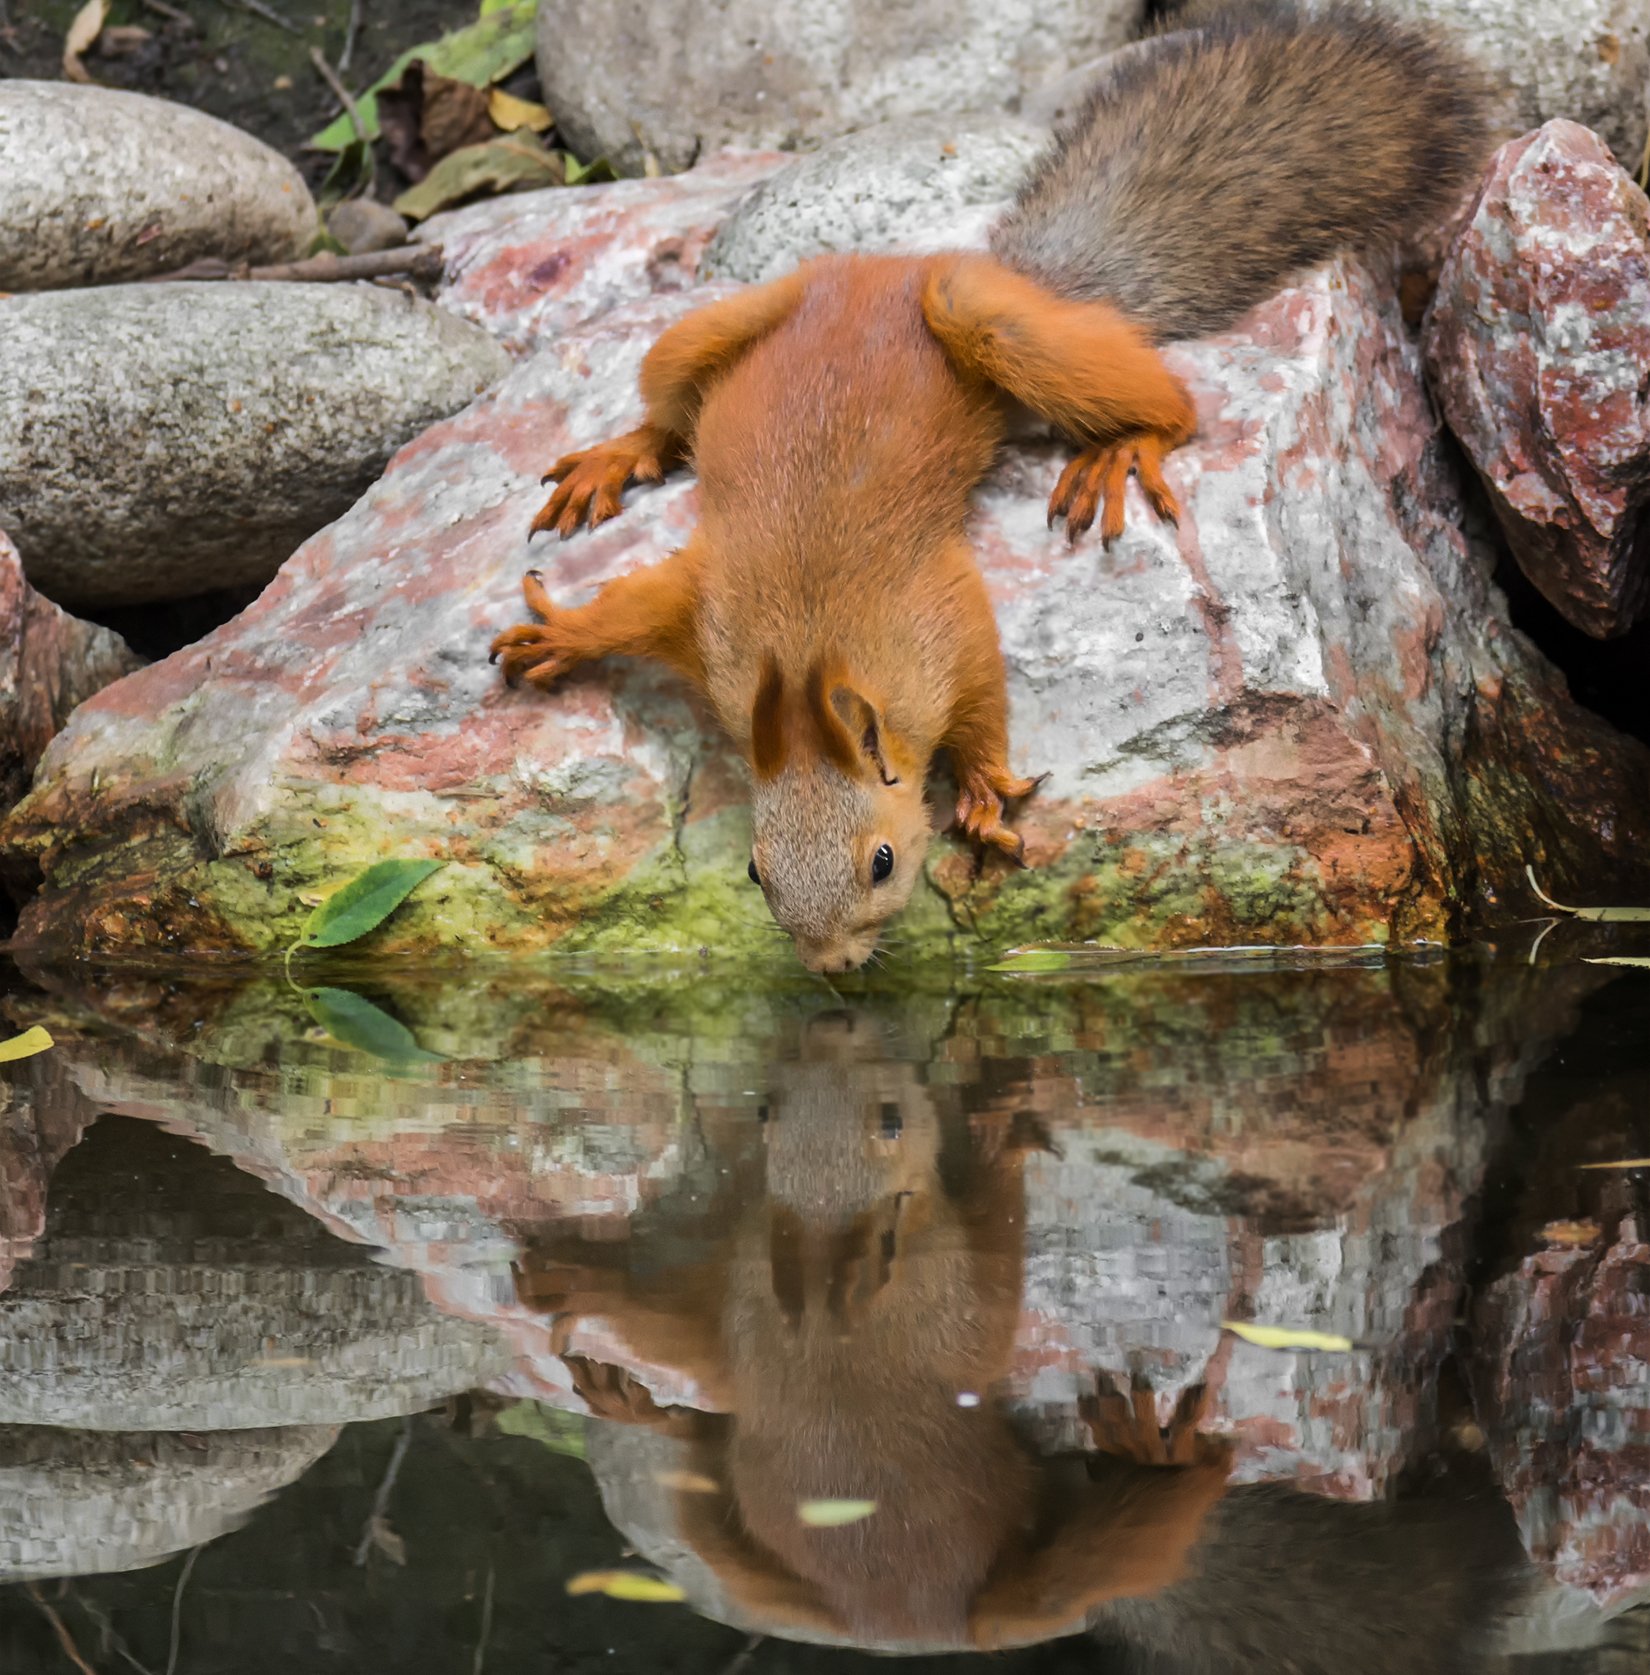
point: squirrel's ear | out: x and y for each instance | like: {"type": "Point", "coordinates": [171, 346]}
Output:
{"type": "Point", "coordinates": [862, 726]}
{"type": "Point", "coordinates": [768, 722]}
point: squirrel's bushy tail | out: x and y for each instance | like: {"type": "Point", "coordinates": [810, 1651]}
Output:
{"type": "Point", "coordinates": [1210, 163]}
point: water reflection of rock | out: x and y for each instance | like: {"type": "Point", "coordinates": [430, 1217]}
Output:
{"type": "Point", "coordinates": [1299, 1146]}
{"type": "Point", "coordinates": [84, 1502]}
{"type": "Point", "coordinates": [171, 1291]}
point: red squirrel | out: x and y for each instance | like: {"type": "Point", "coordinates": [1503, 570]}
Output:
{"type": "Point", "coordinates": [849, 1327]}
{"type": "Point", "coordinates": [828, 604]}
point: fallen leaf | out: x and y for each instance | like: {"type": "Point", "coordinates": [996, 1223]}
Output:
{"type": "Point", "coordinates": [364, 903]}
{"type": "Point", "coordinates": [830, 1515]}
{"type": "Point", "coordinates": [353, 1021]}
{"type": "Point", "coordinates": [687, 1482]}
{"type": "Point", "coordinates": [510, 113]}
{"type": "Point", "coordinates": [560, 1431]}
{"type": "Point", "coordinates": [1285, 1337]}
{"type": "Point", "coordinates": [1621, 959]}
{"type": "Point", "coordinates": [503, 165]}
{"type": "Point", "coordinates": [1595, 915]}
{"type": "Point", "coordinates": [26, 1045]}
{"type": "Point", "coordinates": [626, 1584]}
{"type": "Point", "coordinates": [1571, 1232]}
{"type": "Point", "coordinates": [82, 37]}
{"type": "Point", "coordinates": [1034, 959]}
{"type": "Point", "coordinates": [483, 52]}
{"type": "Point", "coordinates": [427, 116]}
{"type": "Point", "coordinates": [1624, 1163]}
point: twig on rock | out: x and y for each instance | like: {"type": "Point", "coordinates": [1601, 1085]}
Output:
{"type": "Point", "coordinates": [418, 261]}
{"type": "Point", "coordinates": [381, 1501]}
{"type": "Point", "coordinates": [177, 1609]}
{"type": "Point", "coordinates": [161, 9]}
{"type": "Point", "coordinates": [61, 1630]}
{"type": "Point", "coordinates": [352, 32]}
{"type": "Point", "coordinates": [258, 8]}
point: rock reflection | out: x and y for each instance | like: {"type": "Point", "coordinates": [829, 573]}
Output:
{"type": "Point", "coordinates": [787, 1250]}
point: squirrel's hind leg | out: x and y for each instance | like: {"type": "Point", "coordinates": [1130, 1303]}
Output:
{"type": "Point", "coordinates": [1081, 365]}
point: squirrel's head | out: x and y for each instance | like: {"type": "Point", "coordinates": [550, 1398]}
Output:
{"type": "Point", "coordinates": [839, 823]}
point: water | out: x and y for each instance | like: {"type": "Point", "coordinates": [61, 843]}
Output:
{"type": "Point", "coordinates": [296, 1340]}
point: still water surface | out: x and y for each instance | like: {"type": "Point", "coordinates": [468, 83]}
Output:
{"type": "Point", "coordinates": [352, 1358]}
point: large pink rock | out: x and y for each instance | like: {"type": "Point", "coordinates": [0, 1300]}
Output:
{"type": "Point", "coordinates": [1301, 717]}
{"type": "Point", "coordinates": [49, 662]}
{"type": "Point", "coordinates": [1539, 349]}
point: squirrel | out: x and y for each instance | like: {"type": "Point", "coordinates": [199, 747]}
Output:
{"type": "Point", "coordinates": [849, 1332]}
{"type": "Point", "coordinates": [828, 604]}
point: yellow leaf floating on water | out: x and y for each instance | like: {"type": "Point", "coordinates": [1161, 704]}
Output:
{"type": "Point", "coordinates": [687, 1482]}
{"type": "Point", "coordinates": [1571, 1232]}
{"type": "Point", "coordinates": [828, 1515]}
{"type": "Point", "coordinates": [26, 1045]}
{"type": "Point", "coordinates": [1285, 1337]}
{"type": "Point", "coordinates": [1623, 1163]}
{"type": "Point", "coordinates": [1620, 959]}
{"type": "Point", "coordinates": [626, 1584]}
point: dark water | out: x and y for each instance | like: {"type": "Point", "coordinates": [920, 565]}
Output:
{"type": "Point", "coordinates": [297, 1340]}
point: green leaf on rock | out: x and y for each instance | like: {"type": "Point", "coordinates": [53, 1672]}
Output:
{"type": "Point", "coordinates": [1035, 959]}
{"type": "Point", "coordinates": [510, 163]}
{"type": "Point", "coordinates": [497, 43]}
{"type": "Point", "coordinates": [364, 903]}
{"type": "Point", "coordinates": [353, 1021]}
{"type": "Point", "coordinates": [1285, 1337]}
{"type": "Point", "coordinates": [557, 1429]}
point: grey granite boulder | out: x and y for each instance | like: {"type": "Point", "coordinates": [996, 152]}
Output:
{"type": "Point", "coordinates": [158, 441]}
{"type": "Point", "coordinates": [78, 1503]}
{"type": "Point", "coordinates": [920, 183]}
{"type": "Point", "coordinates": [1588, 60]}
{"type": "Point", "coordinates": [629, 78]}
{"type": "Point", "coordinates": [97, 185]}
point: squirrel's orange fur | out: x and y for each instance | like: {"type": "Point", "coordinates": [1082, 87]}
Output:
{"type": "Point", "coordinates": [858, 1291]}
{"type": "Point", "coordinates": [839, 419]}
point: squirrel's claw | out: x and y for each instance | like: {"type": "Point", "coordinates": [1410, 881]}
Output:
{"type": "Point", "coordinates": [980, 811]}
{"type": "Point", "coordinates": [1096, 479]}
{"type": "Point", "coordinates": [1127, 1426]}
{"type": "Point", "coordinates": [590, 483]}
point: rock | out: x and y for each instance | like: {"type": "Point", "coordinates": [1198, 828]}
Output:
{"type": "Point", "coordinates": [920, 183]}
{"type": "Point", "coordinates": [49, 662]}
{"type": "Point", "coordinates": [163, 440]}
{"type": "Point", "coordinates": [633, 78]}
{"type": "Point", "coordinates": [534, 265]}
{"type": "Point", "coordinates": [170, 1292]}
{"type": "Point", "coordinates": [1328, 1145]}
{"type": "Point", "coordinates": [1587, 60]}
{"type": "Point", "coordinates": [84, 1503]}
{"type": "Point", "coordinates": [1301, 718]}
{"type": "Point", "coordinates": [1539, 349]}
{"type": "Point", "coordinates": [98, 185]}
{"type": "Point", "coordinates": [363, 224]}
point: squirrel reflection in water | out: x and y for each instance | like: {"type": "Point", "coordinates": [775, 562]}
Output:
{"type": "Point", "coordinates": [851, 1333]}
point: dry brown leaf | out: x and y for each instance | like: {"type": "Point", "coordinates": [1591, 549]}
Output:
{"type": "Point", "coordinates": [82, 37]}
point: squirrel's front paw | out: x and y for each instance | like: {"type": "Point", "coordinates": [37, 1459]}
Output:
{"type": "Point", "coordinates": [980, 810]}
{"type": "Point", "coordinates": [590, 484]}
{"type": "Point", "coordinates": [1096, 479]}
{"type": "Point", "coordinates": [1127, 1426]}
{"type": "Point", "coordinates": [539, 652]}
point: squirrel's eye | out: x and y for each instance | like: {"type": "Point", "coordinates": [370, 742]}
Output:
{"type": "Point", "coordinates": [882, 864]}
{"type": "Point", "coordinates": [892, 1121]}
{"type": "Point", "coordinates": [756, 877]}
